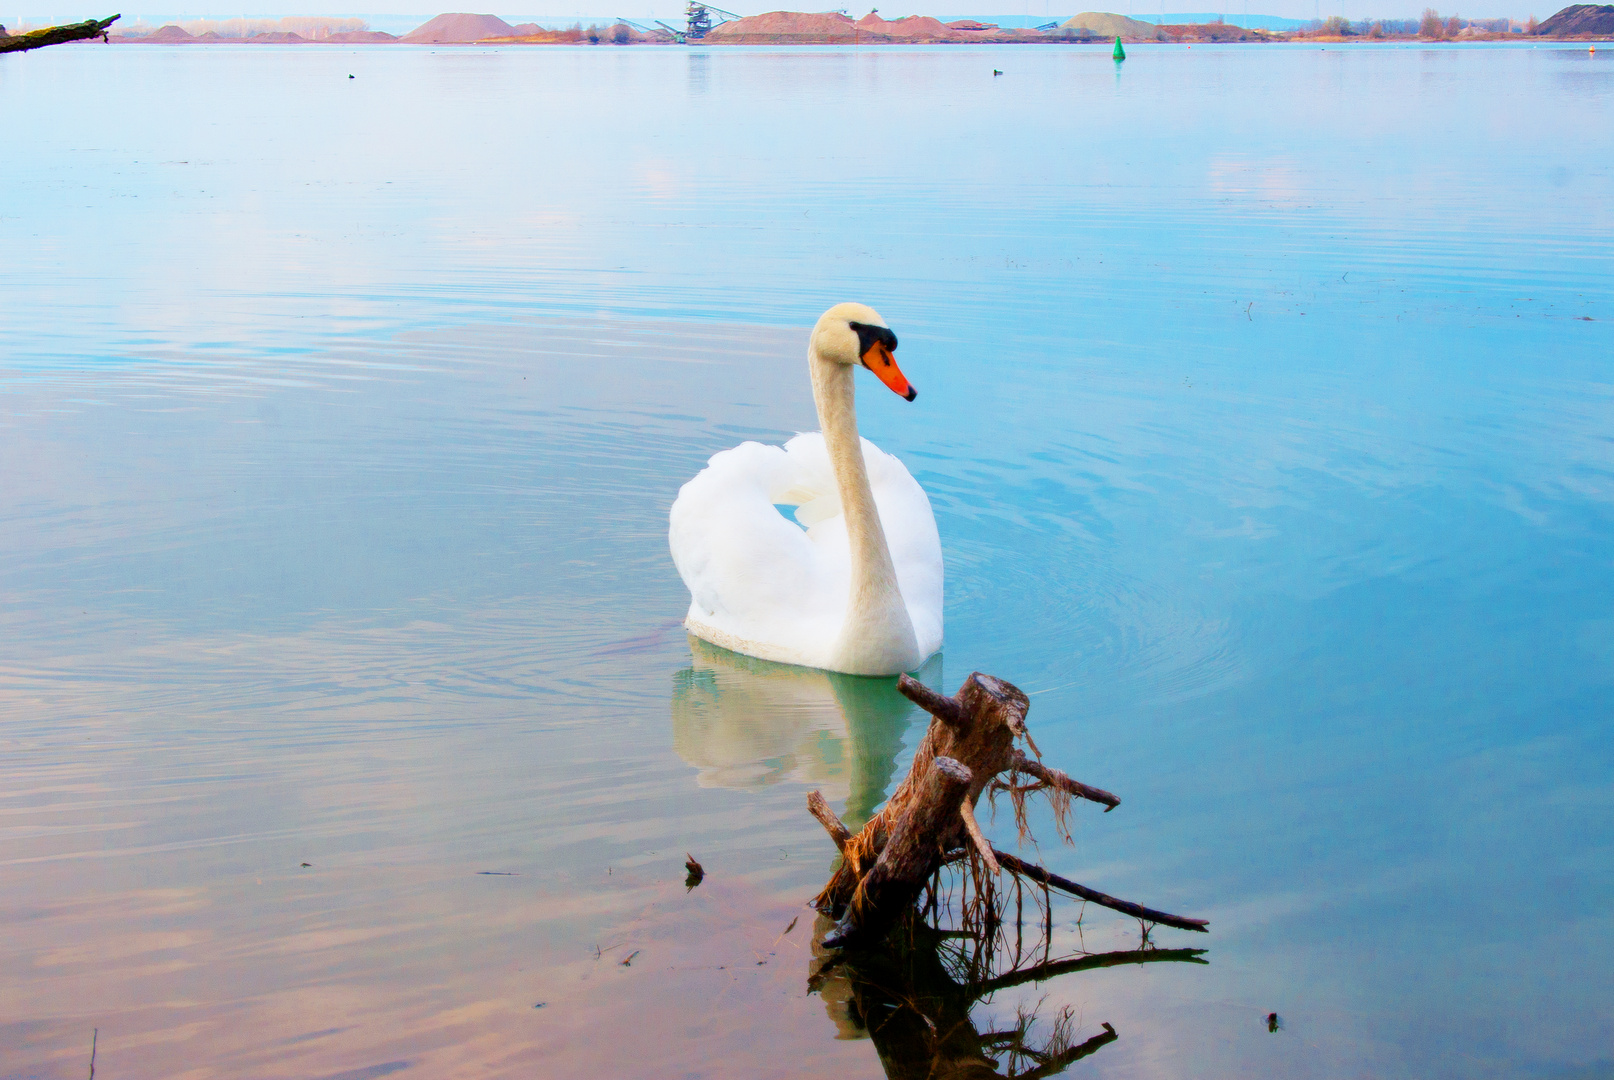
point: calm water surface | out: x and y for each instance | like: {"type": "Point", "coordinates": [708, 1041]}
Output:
{"type": "Point", "coordinates": [348, 727]}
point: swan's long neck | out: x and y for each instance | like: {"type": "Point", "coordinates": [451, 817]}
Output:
{"type": "Point", "coordinates": [877, 623]}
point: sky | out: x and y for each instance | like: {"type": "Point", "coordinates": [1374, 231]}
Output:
{"type": "Point", "coordinates": [404, 15]}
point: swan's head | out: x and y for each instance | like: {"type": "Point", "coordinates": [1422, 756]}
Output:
{"type": "Point", "coordinates": [855, 334]}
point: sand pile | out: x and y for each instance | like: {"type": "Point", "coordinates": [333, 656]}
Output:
{"type": "Point", "coordinates": [830, 28]}
{"type": "Point", "coordinates": [594, 34]}
{"type": "Point", "coordinates": [169, 33]}
{"type": "Point", "coordinates": [1209, 32]}
{"type": "Point", "coordinates": [459, 28]}
{"type": "Point", "coordinates": [1107, 24]}
{"type": "Point", "coordinates": [1591, 20]}
{"type": "Point", "coordinates": [244, 33]}
{"type": "Point", "coordinates": [970, 30]}
{"type": "Point", "coordinates": [911, 28]}
{"type": "Point", "coordinates": [787, 28]}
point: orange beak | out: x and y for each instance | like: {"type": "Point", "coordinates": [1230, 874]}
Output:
{"type": "Point", "coordinates": [879, 360]}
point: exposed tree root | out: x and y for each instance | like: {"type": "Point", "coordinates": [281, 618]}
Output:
{"type": "Point", "coordinates": [929, 823]}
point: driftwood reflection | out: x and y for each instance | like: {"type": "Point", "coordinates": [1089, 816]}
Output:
{"type": "Point", "coordinates": [914, 992]}
{"type": "Point", "coordinates": [748, 723]}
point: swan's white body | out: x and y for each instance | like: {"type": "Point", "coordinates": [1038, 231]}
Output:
{"type": "Point", "coordinates": [860, 589]}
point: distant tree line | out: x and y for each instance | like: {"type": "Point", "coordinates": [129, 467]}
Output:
{"type": "Point", "coordinates": [1432, 26]}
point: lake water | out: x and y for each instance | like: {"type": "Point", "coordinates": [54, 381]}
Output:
{"type": "Point", "coordinates": [347, 726]}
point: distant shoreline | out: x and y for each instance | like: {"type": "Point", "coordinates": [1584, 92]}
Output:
{"type": "Point", "coordinates": [1489, 39]}
{"type": "Point", "coordinates": [1578, 23]}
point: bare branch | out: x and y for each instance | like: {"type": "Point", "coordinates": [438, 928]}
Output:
{"type": "Point", "coordinates": [818, 806]}
{"type": "Point", "coordinates": [1061, 780]}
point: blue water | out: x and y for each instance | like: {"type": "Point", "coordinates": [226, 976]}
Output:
{"type": "Point", "coordinates": [1264, 403]}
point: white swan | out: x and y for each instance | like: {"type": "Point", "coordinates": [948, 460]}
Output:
{"type": "Point", "coordinates": [860, 591]}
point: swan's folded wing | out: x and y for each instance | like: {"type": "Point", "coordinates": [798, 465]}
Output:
{"type": "Point", "coordinates": [811, 479]}
{"type": "Point", "coordinates": [751, 572]}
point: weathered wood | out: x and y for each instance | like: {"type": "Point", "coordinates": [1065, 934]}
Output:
{"type": "Point", "coordinates": [56, 35]}
{"type": "Point", "coordinates": [976, 727]}
{"type": "Point", "coordinates": [1125, 907]}
{"type": "Point", "coordinates": [913, 852]}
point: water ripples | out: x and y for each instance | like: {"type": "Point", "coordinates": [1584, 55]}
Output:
{"type": "Point", "coordinates": [345, 698]}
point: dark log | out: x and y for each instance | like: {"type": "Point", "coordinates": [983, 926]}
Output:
{"type": "Point", "coordinates": [56, 35]}
{"type": "Point", "coordinates": [1125, 907]}
{"type": "Point", "coordinates": [913, 853]}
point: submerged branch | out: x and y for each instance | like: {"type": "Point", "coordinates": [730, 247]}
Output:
{"type": "Point", "coordinates": [1125, 907]}
{"type": "Point", "coordinates": [1058, 1063]}
{"type": "Point", "coordinates": [1042, 972]}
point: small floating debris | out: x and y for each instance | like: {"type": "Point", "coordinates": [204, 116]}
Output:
{"type": "Point", "coordinates": [1119, 53]}
{"type": "Point", "coordinates": [1274, 1021]}
{"type": "Point", "coordinates": [996, 73]}
{"type": "Point", "coordinates": [628, 959]}
{"type": "Point", "coordinates": [497, 873]}
{"type": "Point", "coordinates": [308, 864]}
{"type": "Point", "coordinates": [696, 872]}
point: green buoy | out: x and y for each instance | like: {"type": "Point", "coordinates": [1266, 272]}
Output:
{"type": "Point", "coordinates": [1119, 53]}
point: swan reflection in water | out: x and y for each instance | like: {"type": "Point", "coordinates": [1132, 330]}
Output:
{"type": "Point", "coordinates": [748, 723]}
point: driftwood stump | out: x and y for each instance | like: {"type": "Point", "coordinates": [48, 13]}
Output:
{"type": "Point", "coordinates": [55, 35]}
{"type": "Point", "coordinates": [929, 822]}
